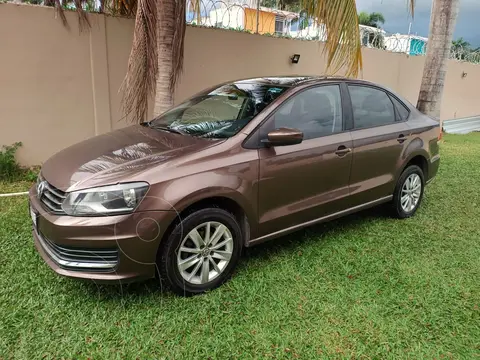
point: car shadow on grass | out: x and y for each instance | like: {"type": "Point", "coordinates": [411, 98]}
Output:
{"type": "Point", "coordinates": [321, 232]}
{"type": "Point", "coordinates": [324, 232]}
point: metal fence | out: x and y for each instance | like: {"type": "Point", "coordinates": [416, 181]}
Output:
{"type": "Point", "coordinates": [462, 126]}
{"type": "Point", "coordinates": [248, 16]}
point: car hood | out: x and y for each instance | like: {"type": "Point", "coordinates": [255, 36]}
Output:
{"type": "Point", "coordinates": [118, 156]}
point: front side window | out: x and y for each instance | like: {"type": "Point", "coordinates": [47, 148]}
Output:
{"type": "Point", "coordinates": [316, 112]}
{"type": "Point", "coordinates": [371, 107]}
{"type": "Point", "coordinates": [219, 113]}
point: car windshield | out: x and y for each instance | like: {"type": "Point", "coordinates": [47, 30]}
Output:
{"type": "Point", "coordinates": [221, 112]}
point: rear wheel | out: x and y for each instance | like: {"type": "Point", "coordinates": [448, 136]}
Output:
{"type": "Point", "coordinates": [201, 252]}
{"type": "Point", "coordinates": [408, 192]}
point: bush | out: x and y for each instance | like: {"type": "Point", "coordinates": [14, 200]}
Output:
{"type": "Point", "coordinates": [10, 170]}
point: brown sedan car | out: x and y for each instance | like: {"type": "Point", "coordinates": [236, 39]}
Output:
{"type": "Point", "coordinates": [236, 165]}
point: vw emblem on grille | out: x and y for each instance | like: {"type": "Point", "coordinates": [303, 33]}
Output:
{"type": "Point", "coordinates": [41, 188]}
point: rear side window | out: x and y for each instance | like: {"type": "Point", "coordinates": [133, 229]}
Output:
{"type": "Point", "coordinates": [371, 107]}
{"type": "Point", "coordinates": [403, 112]}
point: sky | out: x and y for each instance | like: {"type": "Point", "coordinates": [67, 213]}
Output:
{"type": "Point", "coordinates": [397, 18]}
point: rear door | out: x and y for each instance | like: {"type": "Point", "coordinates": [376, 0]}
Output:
{"type": "Point", "coordinates": [379, 136]}
{"type": "Point", "coordinates": [303, 182]}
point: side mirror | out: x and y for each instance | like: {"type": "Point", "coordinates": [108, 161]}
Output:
{"type": "Point", "coordinates": [283, 137]}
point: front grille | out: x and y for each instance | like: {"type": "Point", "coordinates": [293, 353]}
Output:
{"type": "Point", "coordinates": [75, 258]}
{"type": "Point", "coordinates": [52, 199]}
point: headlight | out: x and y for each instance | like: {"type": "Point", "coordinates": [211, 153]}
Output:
{"type": "Point", "coordinates": [105, 200]}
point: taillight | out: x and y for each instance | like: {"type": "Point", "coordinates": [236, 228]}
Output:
{"type": "Point", "coordinates": [440, 134]}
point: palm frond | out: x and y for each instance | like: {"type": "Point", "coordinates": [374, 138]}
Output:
{"type": "Point", "coordinates": [343, 43]}
{"type": "Point", "coordinates": [78, 5]}
{"type": "Point", "coordinates": [59, 11]}
{"type": "Point", "coordinates": [142, 71]}
{"type": "Point", "coordinates": [83, 22]}
{"type": "Point", "coordinates": [194, 7]}
{"type": "Point", "coordinates": [412, 6]}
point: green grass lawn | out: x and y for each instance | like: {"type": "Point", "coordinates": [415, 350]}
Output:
{"type": "Point", "coordinates": [363, 287]}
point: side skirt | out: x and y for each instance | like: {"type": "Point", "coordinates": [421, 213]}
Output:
{"type": "Point", "coordinates": [333, 216]}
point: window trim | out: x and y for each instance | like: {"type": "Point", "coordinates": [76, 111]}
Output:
{"type": "Point", "coordinates": [253, 140]}
{"type": "Point", "coordinates": [402, 104]}
{"type": "Point", "coordinates": [387, 93]}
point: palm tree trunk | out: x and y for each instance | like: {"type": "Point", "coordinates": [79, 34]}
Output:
{"type": "Point", "coordinates": [165, 34]}
{"type": "Point", "coordinates": [442, 25]}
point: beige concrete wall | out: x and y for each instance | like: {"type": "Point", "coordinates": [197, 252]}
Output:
{"type": "Point", "coordinates": [60, 86]}
{"type": "Point", "coordinates": [119, 34]}
{"type": "Point", "coordinates": [45, 82]}
{"type": "Point", "coordinates": [460, 97]}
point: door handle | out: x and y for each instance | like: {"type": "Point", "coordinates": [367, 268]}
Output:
{"type": "Point", "coordinates": [401, 138]}
{"type": "Point", "coordinates": [342, 151]}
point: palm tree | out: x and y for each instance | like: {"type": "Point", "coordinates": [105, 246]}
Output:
{"type": "Point", "coordinates": [460, 49]}
{"type": "Point", "coordinates": [442, 24]}
{"type": "Point", "coordinates": [373, 19]}
{"type": "Point", "coordinates": [460, 43]}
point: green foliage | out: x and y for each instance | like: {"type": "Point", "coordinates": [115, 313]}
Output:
{"type": "Point", "coordinates": [460, 43]}
{"type": "Point", "coordinates": [363, 18]}
{"type": "Point", "coordinates": [373, 19]}
{"type": "Point", "coordinates": [31, 174]}
{"type": "Point", "coordinates": [10, 170]}
{"type": "Point", "coordinates": [461, 49]}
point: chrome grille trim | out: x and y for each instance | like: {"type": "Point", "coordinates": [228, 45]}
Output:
{"type": "Point", "coordinates": [52, 199]}
{"type": "Point", "coordinates": [71, 258]}
{"type": "Point", "coordinates": [55, 191]}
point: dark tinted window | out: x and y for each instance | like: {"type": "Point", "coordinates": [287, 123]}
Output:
{"type": "Point", "coordinates": [371, 107]}
{"type": "Point", "coordinates": [402, 110]}
{"type": "Point", "coordinates": [316, 112]}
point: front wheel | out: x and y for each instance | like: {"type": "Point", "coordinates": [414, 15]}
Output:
{"type": "Point", "coordinates": [408, 192]}
{"type": "Point", "coordinates": [201, 252]}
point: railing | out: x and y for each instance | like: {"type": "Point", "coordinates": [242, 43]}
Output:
{"type": "Point", "coordinates": [462, 126]}
{"type": "Point", "coordinates": [249, 17]}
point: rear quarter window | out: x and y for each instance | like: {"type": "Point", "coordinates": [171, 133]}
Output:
{"type": "Point", "coordinates": [402, 110]}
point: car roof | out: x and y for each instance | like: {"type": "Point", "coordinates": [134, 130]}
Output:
{"type": "Point", "coordinates": [296, 80]}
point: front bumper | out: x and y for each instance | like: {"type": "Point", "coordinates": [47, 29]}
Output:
{"type": "Point", "coordinates": [119, 248]}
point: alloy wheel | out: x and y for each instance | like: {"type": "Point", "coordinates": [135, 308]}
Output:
{"type": "Point", "coordinates": [205, 252]}
{"type": "Point", "coordinates": [411, 191]}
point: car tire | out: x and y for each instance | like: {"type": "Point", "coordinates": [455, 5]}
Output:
{"type": "Point", "coordinates": [179, 251]}
{"type": "Point", "coordinates": [408, 192]}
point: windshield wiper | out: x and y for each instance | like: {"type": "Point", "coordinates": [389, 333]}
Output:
{"type": "Point", "coordinates": [164, 128]}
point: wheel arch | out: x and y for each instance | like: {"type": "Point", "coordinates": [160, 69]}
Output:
{"type": "Point", "coordinates": [234, 203]}
{"type": "Point", "coordinates": [418, 158]}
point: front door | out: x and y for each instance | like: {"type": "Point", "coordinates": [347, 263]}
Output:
{"type": "Point", "coordinates": [303, 182]}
